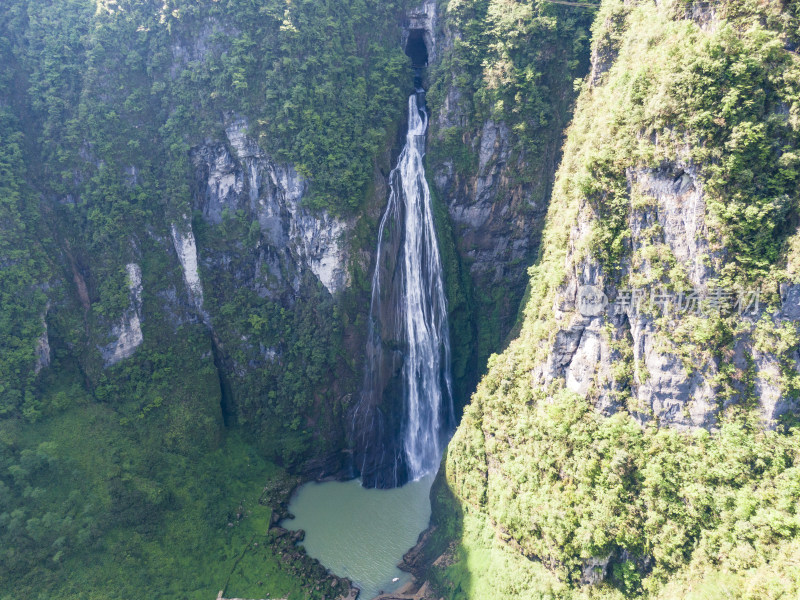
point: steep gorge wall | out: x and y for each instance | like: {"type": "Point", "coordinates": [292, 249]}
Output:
{"type": "Point", "coordinates": [191, 193]}
{"type": "Point", "coordinates": [189, 203]}
{"type": "Point", "coordinates": [489, 187]}
{"type": "Point", "coordinates": [500, 92]}
{"type": "Point", "coordinates": [618, 444]}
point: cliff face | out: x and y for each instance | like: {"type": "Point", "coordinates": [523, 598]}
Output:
{"type": "Point", "coordinates": [654, 233]}
{"type": "Point", "coordinates": [247, 241]}
{"type": "Point", "coordinates": [659, 350]}
{"type": "Point", "coordinates": [190, 198]}
{"type": "Point", "coordinates": [173, 183]}
{"type": "Point", "coordinates": [489, 192]}
{"type": "Point", "coordinates": [238, 176]}
{"type": "Point", "coordinates": [501, 89]}
{"type": "Point", "coordinates": [289, 257]}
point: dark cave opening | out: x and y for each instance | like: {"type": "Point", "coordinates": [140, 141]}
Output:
{"type": "Point", "coordinates": [416, 48]}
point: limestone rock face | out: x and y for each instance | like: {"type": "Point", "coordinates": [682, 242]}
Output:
{"type": "Point", "coordinates": [128, 331]}
{"type": "Point", "coordinates": [285, 258]}
{"type": "Point", "coordinates": [669, 215]}
{"type": "Point", "coordinates": [495, 188]}
{"type": "Point", "coordinates": [496, 221]}
{"type": "Point", "coordinates": [680, 211]}
{"type": "Point", "coordinates": [235, 174]}
{"type": "Point", "coordinates": [186, 249]}
{"type": "Point", "coordinates": [650, 305]}
{"type": "Point", "coordinates": [594, 570]}
{"type": "Point", "coordinates": [667, 385]}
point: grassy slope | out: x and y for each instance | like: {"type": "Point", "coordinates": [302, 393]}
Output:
{"type": "Point", "coordinates": [138, 496]}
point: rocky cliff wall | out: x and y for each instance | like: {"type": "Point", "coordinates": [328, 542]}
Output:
{"type": "Point", "coordinates": [645, 368]}
{"type": "Point", "coordinates": [180, 215]}
{"type": "Point", "coordinates": [493, 152]}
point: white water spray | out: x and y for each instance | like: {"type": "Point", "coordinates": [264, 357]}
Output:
{"type": "Point", "coordinates": [421, 313]}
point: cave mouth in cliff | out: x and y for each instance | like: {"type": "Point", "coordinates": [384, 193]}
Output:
{"type": "Point", "coordinates": [416, 48]}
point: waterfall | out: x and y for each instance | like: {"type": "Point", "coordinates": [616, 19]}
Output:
{"type": "Point", "coordinates": [408, 323]}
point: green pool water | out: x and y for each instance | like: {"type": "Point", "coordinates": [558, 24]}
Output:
{"type": "Point", "coordinates": [362, 534]}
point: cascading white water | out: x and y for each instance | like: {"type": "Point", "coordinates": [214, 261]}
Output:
{"type": "Point", "coordinates": [421, 309]}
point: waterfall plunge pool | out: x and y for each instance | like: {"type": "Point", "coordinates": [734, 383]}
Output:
{"type": "Point", "coordinates": [361, 533]}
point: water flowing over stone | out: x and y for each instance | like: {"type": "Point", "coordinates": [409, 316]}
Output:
{"type": "Point", "coordinates": [408, 348]}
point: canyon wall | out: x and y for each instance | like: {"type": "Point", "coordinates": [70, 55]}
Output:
{"type": "Point", "coordinates": [658, 356]}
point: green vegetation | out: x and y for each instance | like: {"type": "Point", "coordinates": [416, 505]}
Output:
{"type": "Point", "coordinates": [321, 82]}
{"type": "Point", "coordinates": [537, 484]}
{"type": "Point", "coordinates": [141, 492]}
{"type": "Point", "coordinates": [579, 485]}
{"type": "Point", "coordinates": [513, 62]}
{"type": "Point", "coordinates": [148, 478]}
{"type": "Point", "coordinates": [727, 96]}
{"type": "Point", "coordinates": [290, 399]}
{"type": "Point", "coordinates": [22, 271]}
{"type": "Point", "coordinates": [120, 482]}
{"type": "Point", "coordinates": [22, 266]}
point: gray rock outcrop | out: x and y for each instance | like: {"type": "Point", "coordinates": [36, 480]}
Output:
{"type": "Point", "coordinates": [128, 331]}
